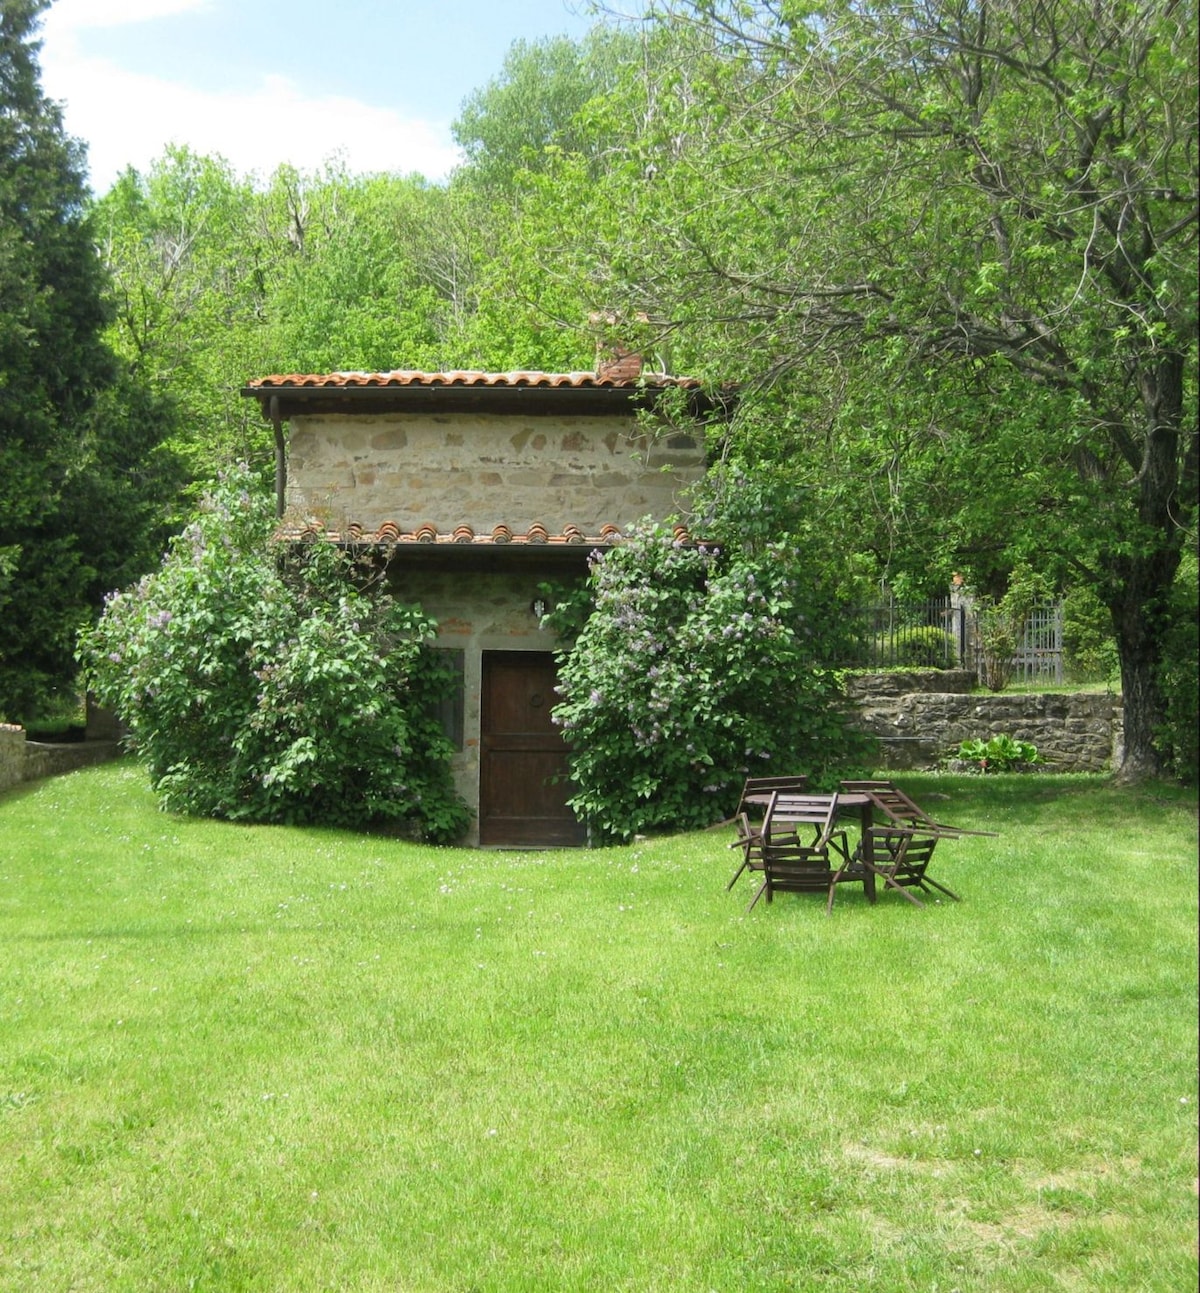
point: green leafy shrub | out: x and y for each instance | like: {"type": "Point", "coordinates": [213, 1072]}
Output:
{"type": "Point", "coordinates": [1000, 625]}
{"type": "Point", "coordinates": [268, 685]}
{"type": "Point", "coordinates": [922, 646]}
{"type": "Point", "coordinates": [1000, 754]}
{"type": "Point", "coordinates": [1089, 647]}
{"type": "Point", "coordinates": [692, 671]}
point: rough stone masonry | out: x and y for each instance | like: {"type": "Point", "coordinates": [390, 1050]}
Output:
{"type": "Point", "coordinates": [921, 718]}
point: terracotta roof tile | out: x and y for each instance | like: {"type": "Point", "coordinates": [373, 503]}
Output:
{"type": "Point", "coordinates": [389, 534]}
{"type": "Point", "coordinates": [461, 378]}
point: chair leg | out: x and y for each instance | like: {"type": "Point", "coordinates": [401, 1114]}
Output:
{"type": "Point", "coordinates": [900, 889]}
{"type": "Point", "coordinates": [738, 872]}
{"type": "Point", "coordinates": [761, 890]}
{"type": "Point", "coordinates": [833, 884]}
{"type": "Point", "coordinates": [927, 880]}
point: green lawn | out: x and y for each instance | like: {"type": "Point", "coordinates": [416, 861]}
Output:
{"type": "Point", "coordinates": [275, 1059]}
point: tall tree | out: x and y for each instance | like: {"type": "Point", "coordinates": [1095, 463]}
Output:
{"type": "Point", "coordinates": [976, 215]}
{"type": "Point", "coordinates": [190, 265]}
{"type": "Point", "coordinates": [536, 106]}
{"type": "Point", "coordinates": [66, 437]}
{"type": "Point", "coordinates": [217, 280]}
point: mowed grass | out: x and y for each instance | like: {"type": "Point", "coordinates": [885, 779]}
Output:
{"type": "Point", "coordinates": [275, 1059]}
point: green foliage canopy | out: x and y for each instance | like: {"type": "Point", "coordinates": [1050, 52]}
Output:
{"type": "Point", "coordinates": [967, 234]}
{"type": "Point", "coordinates": [83, 484]}
{"type": "Point", "coordinates": [536, 107]}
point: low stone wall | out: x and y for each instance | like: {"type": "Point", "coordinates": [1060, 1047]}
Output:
{"type": "Point", "coordinates": [919, 719]}
{"type": "Point", "coordinates": [25, 760]}
{"type": "Point", "coordinates": [12, 755]}
{"type": "Point", "coordinates": [876, 686]}
{"type": "Point", "coordinates": [1075, 732]}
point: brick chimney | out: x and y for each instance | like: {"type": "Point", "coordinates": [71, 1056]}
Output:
{"type": "Point", "coordinates": [614, 361]}
{"type": "Point", "coordinates": [616, 364]}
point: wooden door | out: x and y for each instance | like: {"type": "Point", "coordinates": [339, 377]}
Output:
{"type": "Point", "coordinates": [521, 755]}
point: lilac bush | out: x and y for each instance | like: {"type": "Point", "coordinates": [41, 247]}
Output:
{"type": "Point", "coordinates": [267, 684]}
{"type": "Point", "coordinates": [694, 669]}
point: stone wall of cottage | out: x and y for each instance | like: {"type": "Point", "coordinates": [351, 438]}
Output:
{"type": "Point", "coordinates": [485, 470]}
{"type": "Point", "coordinates": [921, 719]}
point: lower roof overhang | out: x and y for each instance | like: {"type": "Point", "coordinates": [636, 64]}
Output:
{"type": "Point", "coordinates": [563, 559]}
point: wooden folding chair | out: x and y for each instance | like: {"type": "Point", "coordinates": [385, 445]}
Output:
{"type": "Point", "coordinates": [798, 845]}
{"type": "Point", "coordinates": [751, 810]}
{"type": "Point", "coordinates": [901, 812]}
{"type": "Point", "coordinates": [749, 840]}
{"type": "Point", "coordinates": [900, 858]}
{"type": "Point", "coordinates": [900, 847]}
{"type": "Point", "coordinates": [756, 792]}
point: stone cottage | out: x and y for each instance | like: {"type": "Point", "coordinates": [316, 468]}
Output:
{"type": "Point", "coordinates": [477, 487]}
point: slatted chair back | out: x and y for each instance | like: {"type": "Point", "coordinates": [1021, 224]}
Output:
{"type": "Point", "coordinates": [752, 807]}
{"type": "Point", "coordinates": [757, 791]}
{"type": "Point", "coordinates": [806, 816]}
{"type": "Point", "coordinates": [800, 850]}
{"type": "Point", "coordinates": [892, 802]}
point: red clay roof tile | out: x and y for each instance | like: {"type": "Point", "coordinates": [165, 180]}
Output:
{"type": "Point", "coordinates": [390, 534]}
{"type": "Point", "coordinates": [461, 377]}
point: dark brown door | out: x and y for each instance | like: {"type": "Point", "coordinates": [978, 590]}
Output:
{"type": "Point", "coordinates": [523, 760]}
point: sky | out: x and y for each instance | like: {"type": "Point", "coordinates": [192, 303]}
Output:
{"type": "Point", "coordinates": [262, 82]}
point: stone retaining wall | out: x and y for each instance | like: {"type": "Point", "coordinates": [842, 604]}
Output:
{"type": "Point", "coordinates": [12, 755]}
{"type": "Point", "coordinates": [1075, 732]}
{"type": "Point", "coordinates": [876, 686]}
{"type": "Point", "coordinates": [25, 760]}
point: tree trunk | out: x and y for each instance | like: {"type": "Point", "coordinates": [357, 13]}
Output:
{"type": "Point", "coordinates": [1139, 648]}
{"type": "Point", "coordinates": [1141, 582]}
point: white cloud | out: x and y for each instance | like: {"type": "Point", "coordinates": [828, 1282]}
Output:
{"type": "Point", "coordinates": [129, 118]}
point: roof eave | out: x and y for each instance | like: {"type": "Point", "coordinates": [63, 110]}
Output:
{"type": "Point", "coordinates": [299, 401]}
{"type": "Point", "coordinates": [543, 558]}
